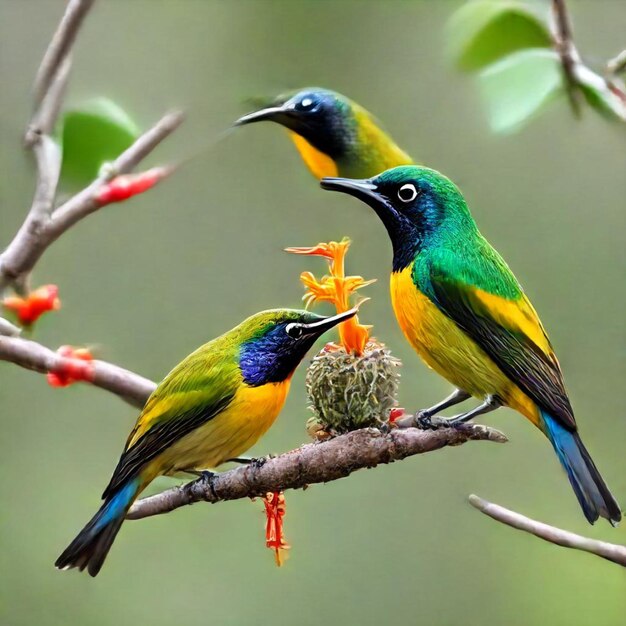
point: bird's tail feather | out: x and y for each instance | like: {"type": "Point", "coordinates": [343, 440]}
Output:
{"type": "Point", "coordinates": [92, 544]}
{"type": "Point", "coordinates": [592, 492]}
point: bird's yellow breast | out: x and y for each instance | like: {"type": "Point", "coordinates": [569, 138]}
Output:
{"type": "Point", "coordinates": [231, 433]}
{"type": "Point", "coordinates": [319, 164]}
{"type": "Point", "coordinates": [446, 348]}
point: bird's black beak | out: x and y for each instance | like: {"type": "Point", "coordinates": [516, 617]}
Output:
{"type": "Point", "coordinates": [363, 189]}
{"type": "Point", "coordinates": [279, 114]}
{"type": "Point", "coordinates": [318, 328]}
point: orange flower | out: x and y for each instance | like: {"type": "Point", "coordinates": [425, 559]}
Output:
{"type": "Point", "coordinates": [337, 289]}
{"type": "Point", "coordinates": [76, 365]}
{"type": "Point", "coordinates": [29, 309]}
{"type": "Point", "coordinates": [275, 509]}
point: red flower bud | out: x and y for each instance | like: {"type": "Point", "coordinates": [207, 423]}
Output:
{"type": "Point", "coordinates": [76, 365]}
{"type": "Point", "coordinates": [395, 414]}
{"type": "Point", "coordinates": [29, 309]}
{"type": "Point", "coordinates": [126, 186]}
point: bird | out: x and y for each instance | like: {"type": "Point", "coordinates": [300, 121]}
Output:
{"type": "Point", "coordinates": [211, 408]}
{"type": "Point", "coordinates": [334, 135]}
{"type": "Point", "coordinates": [464, 312]}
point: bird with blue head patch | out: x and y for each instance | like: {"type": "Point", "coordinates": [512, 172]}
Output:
{"type": "Point", "coordinates": [334, 135]}
{"type": "Point", "coordinates": [462, 309]}
{"type": "Point", "coordinates": [211, 408]}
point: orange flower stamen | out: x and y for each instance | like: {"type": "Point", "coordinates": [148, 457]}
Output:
{"type": "Point", "coordinates": [336, 288]}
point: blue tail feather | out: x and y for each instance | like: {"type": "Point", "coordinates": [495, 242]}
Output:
{"type": "Point", "coordinates": [92, 544]}
{"type": "Point", "coordinates": [594, 496]}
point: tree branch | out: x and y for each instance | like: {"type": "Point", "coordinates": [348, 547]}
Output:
{"type": "Point", "coordinates": [60, 46]}
{"type": "Point", "coordinates": [31, 355]}
{"type": "Point", "coordinates": [313, 463]}
{"type": "Point", "coordinates": [609, 551]}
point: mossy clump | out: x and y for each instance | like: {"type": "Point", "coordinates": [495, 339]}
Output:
{"type": "Point", "coordinates": [347, 391]}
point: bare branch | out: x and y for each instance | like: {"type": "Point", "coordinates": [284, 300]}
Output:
{"type": "Point", "coordinates": [43, 224]}
{"type": "Point", "coordinates": [45, 117]}
{"type": "Point", "coordinates": [313, 463]}
{"type": "Point", "coordinates": [129, 386]}
{"type": "Point", "coordinates": [609, 551]}
{"type": "Point", "coordinates": [62, 41]}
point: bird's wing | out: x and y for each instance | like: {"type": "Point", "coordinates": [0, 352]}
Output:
{"type": "Point", "coordinates": [194, 392]}
{"type": "Point", "coordinates": [485, 300]}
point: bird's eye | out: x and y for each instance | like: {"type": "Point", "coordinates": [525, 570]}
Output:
{"type": "Point", "coordinates": [294, 330]}
{"type": "Point", "coordinates": [407, 193]}
{"type": "Point", "coordinates": [308, 103]}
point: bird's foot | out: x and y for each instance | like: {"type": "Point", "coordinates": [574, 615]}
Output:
{"type": "Point", "coordinates": [425, 421]}
{"type": "Point", "coordinates": [208, 478]}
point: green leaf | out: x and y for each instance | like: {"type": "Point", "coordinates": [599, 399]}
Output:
{"type": "Point", "coordinates": [598, 94]}
{"type": "Point", "coordinates": [519, 86]}
{"type": "Point", "coordinates": [483, 31]}
{"type": "Point", "coordinates": [92, 134]}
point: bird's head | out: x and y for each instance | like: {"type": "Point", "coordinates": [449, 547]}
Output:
{"type": "Point", "coordinates": [416, 204]}
{"type": "Point", "coordinates": [272, 343]}
{"type": "Point", "coordinates": [334, 135]}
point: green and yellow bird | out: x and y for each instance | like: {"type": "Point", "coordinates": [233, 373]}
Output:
{"type": "Point", "coordinates": [334, 135]}
{"type": "Point", "coordinates": [212, 407]}
{"type": "Point", "coordinates": [462, 309]}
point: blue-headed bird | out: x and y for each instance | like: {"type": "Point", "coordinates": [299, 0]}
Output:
{"type": "Point", "coordinates": [334, 135]}
{"type": "Point", "coordinates": [464, 312]}
{"type": "Point", "coordinates": [211, 408]}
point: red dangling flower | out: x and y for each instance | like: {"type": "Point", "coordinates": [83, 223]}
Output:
{"type": "Point", "coordinates": [275, 508]}
{"type": "Point", "coordinates": [76, 365]}
{"type": "Point", "coordinates": [126, 186]}
{"type": "Point", "coordinates": [30, 308]}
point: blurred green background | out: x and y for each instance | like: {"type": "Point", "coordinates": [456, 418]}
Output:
{"type": "Point", "coordinates": [150, 280]}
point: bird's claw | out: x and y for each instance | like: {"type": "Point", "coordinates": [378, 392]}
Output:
{"type": "Point", "coordinates": [208, 478]}
{"type": "Point", "coordinates": [423, 421]}
{"type": "Point", "coordinates": [260, 461]}
{"type": "Point", "coordinates": [426, 421]}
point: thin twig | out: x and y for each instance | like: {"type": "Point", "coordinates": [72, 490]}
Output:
{"type": "Point", "coordinates": [617, 64]}
{"type": "Point", "coordinates": [609, 551]}
{"type": "Point", "coordinates": [31, 355]}
{"type": "Point", "coordinates": [313, 463]}
{"type": "Point", "coordinates": [62, 41]}
{"type": "Point", "coordinates": [564, 44]}
{"type": "Point", "coordinates": [8, 329]}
